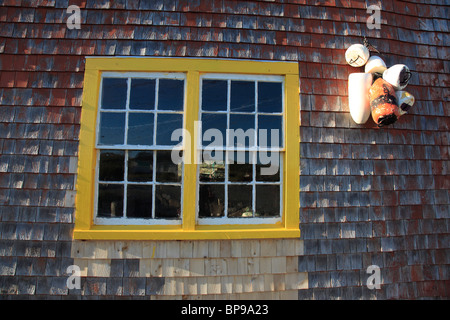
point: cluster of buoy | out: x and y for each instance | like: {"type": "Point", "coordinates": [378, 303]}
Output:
{"type": "Point", "coordinates": [378, 91]}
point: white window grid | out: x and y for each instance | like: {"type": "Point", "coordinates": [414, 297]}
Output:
{"type": "Point", "coordinates": [253, 150]}
{"type": "Point", "coordinates": [154, 148]}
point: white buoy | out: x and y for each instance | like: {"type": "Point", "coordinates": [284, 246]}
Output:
{"type": "Point", "coordinates": [358, 96]}
{"type": "Point", "coordinates": [375, 65]}
{"type": "Point", "coordinates": [398, 76]}
{"type": "Point", "coordinates": [405, 101]}
{"type": "Point", "coordinates": [357, 55]}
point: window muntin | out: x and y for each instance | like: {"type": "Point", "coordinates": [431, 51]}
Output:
{"type": "Point", "coordinates": [244, 109]}
{"type": "Point", "coordinates": [136, 180]}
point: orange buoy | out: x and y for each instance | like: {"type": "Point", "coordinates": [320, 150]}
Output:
{"type": "Point", "coordinates": [383, 103]}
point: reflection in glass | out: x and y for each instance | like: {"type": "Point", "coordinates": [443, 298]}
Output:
{"type": "Point", "coordinates": [214, 128]}
{"type": "Point", "coordinates": [139, 201]}
{"type": "Point", "coordinates": [267, 137]}
{"type": "Point", "coordinates": [166, 169]}
{"type": "Point", "coordinates": [140, 166]}
{"type": "Point", "coordinates": [171, 94]}
{"type": "Point", "coordinates": [239, 201]}
{"type": "Point", "coordinates": [140, 129]}
{"type": "Point", "coordinates": [267, 200]}
{"type": "Point", "coordinates": [112, 128]}
{"type": "Point", "coordinates": [269, 97]}
{"type": "Point", "coordinates": [240, 167]}
{"type": "Point", "coordinates": [167, 201]}
{"type": "Point", "coordinates": [211, 200]}
{"type": "Point", "coordinates": [111, 167]}
{"type": "Point", "coordinates": [142, 94]}
{"type": "Point", "coordinates": [242, 96]}
{"type": "Point", "coordinates": [242, 133]}
{"type": "Point", "coordinates": [214, 95]}
{"type": "Point", "coordinates": [211, 171]}
{"type": "Point", "coordinates": [114, 93]}
{"type": "Point", "coordinates": [166, 125]}
{"type": "Point", "coordinates": [110, 200]}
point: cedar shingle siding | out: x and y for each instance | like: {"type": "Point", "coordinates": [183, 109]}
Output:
{"type": "Point", "coordinates": [369, 196]}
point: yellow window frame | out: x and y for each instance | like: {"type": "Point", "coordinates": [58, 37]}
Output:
{"type": "Point", "coordinates": [188, 229]}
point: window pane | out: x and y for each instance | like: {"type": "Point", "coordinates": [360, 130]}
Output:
{"type": "Point", "coordinates": [267, 200]}
{"type": "Point", "coordinates": [212, 171]}
{"type": "Point", "coordinates": [239, 201]}
{"type": "Point", "coordinates": [242, 96]}
{"type": "Point", "coordinates": [171, 94]}
{"type": "Point", "coordinates": [114, 93]}
{"type": "Point", "coordinates": [167, 201]}
{"type": "Point", "coordinates": [242, 133]}
{"type": "Point", "coordinates": [111, 167]}
{"type": "Point", "coordinates": [214, 95]}
{"type": "Point", "coordinates": [269, 97]}
{"type": "Point", "coordinates": [240, 168]}
{"type": "Point", "coordinates": [140, 128]}
{"type": "Point", "coordinates": [139, 201]}
{"type": "Point", "coordinates": [140, 166]}
{"type": "Point", "coordinates": [166, 125]}
{"type": "Point", "coordinates": [268, 138]}
{"type": "Point", "coordinates": [166, 169]}
{"type": "Point", "coordinates": [142, 94]}
{"type": "Point", "coordinates": [211, 201]}
{"type": "Point", "coordinates": [112, 128]}
{"type": "Point", "coordinates": [268, 166]}
{"type": "Point", "coordinates": [214, 125]}
{"type": "Point", "coordinates": [110, 200]}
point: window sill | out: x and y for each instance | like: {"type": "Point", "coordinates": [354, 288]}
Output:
{"type": "Point", "coordinates": [200, 233]}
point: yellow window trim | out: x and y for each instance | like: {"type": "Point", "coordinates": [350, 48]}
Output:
{"type": "Point", "coordinates": [188, 230]}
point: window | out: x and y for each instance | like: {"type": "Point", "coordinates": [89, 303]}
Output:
{"type": "Point", "coordinates": [232, 173]}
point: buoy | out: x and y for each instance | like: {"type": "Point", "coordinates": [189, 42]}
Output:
{"type": "Point", "coordinates": [375, 65]}
{"type": "Point", "coordinates": [358, 98]}
{"type": "Point", "coordinates": [383, 103]}
{"type": "Point", "coordinates": [398, 76]}
{"type": "Point", "coordinates": [357, 55]}
{"type": "Point", "coordinates": [405, 101]}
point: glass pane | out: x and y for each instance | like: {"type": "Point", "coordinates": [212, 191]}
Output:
{"type": "Point", "coordinates": [212, 171]}
{"type": "Point", "coordinates": [240, 168]}
{"type": "Point", "coordinates": [166, 169]}
{"type": "Point", "coordinates": [239, 201]}
{"type": "Point", "coordinates": [268, 166]}
{"type": "Point", "coordinates": [142, 94]}
{"type": "Point", "coordinates": [171, 94]}
{"type": "Point", "coordinates": [139, 201]}
{"type": "Point", "coordinates": [112, 128]}
{"type": "Point", "coordinates": [140, 128]}
{"type": "Point", "coordinates": [140, 166]}
{"type": "Point", "coordinates": [114, 93]}
{"type": "Point", "coordinates": [269, 97]}
{"type": "Point", "coordinates": [267, 137]}
{"type": "Point", "coordinates": [214, 95]}
{"type": "Point", "coordinates": [111, 167]}
{"type": "Point", "coordinates": [168, 202]}
{"type": "Point", "coordinates": [110, 200]}
{"type": "Point", "coordinates": [267, 201]}
{"type": "Point", "coordinates": [211, 201]}
{"type": "Point", "coordinates": [242, 133]}
{"type": "Point", "coordinates": [214, 128]}
{"type": "Point", "coordinates": [242, 96]}
{"type": "Point", "coordinates": [166, 125]}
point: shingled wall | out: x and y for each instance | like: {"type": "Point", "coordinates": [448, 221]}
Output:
{"type": "Point", "coordinates": [369, 196]}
